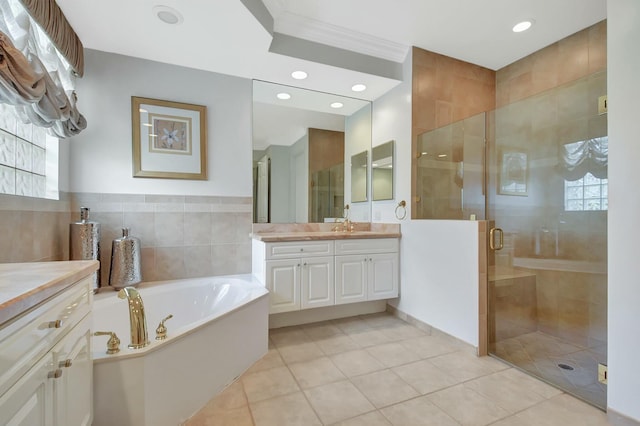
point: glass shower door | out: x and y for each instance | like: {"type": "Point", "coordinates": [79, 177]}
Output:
{"type": "Point", "coordinates": [547, 203]}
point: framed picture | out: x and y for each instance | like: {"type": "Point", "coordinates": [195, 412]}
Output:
{"type": "Point", "coordinates": [169, 139]}
{"type": "Point", "coordinates": [514, 171]}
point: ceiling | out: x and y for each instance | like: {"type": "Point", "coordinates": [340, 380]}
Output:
{"type": "Point", "coordinates": [337, 42]}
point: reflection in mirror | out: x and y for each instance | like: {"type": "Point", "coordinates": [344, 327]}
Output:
{"type": "Point", "coordinates": [382, 172]}
{"type": "Point", "coordinates": [299, 149]}
{"type": "Point", "coordinates": [359, 177]}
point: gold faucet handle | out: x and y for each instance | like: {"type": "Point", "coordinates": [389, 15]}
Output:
{"type": "Point", "coordinates": [161, 331]}
{"type": "Point", "coordinates": [113, 344]}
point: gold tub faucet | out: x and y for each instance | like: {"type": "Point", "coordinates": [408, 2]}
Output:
{"type": "Point", "coordinates": [137, 318]}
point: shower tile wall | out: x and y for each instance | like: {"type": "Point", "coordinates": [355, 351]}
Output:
{"type": "Point", "coordinates": [569, 59]}
{"type": "Point", "coordinates": [33, 229]}
{"type": "Point", "coordinates": [181, 236]}
{"type": "Point", "coordinates": [446, 91]}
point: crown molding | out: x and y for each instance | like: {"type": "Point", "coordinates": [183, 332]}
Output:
{"type": "Point", "coordinates": [336, 36]}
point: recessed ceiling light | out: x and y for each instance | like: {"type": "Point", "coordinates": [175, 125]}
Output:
{"type": "Point", "coordinates": [168, 15]}
{"type": "Point", "coordinates": [299, 75]}
{"type": "Point", "coordinates": [522, 26]}
{"type": "Point", "coordinates": [283, 96]}
{"type": "Point", "coordinates": [358, 87]}
{"type": "Point", "coordinates": [337, 105]}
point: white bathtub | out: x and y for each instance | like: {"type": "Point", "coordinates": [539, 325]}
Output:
{"type": "Point", "coordinates": [218, 330]}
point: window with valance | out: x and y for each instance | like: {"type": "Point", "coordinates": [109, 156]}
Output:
{"type": "Point", "coordinates": [584, 168]}
{"type": "Point", "coordinates": [40, 59]}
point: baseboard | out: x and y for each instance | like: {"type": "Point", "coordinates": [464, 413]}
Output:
{"type": "Point", "coordinates": [307, 316]}
{"type": "Point", "coordinates": [617, 419]}
{"type": "Point", "coordinates": [429, 329]}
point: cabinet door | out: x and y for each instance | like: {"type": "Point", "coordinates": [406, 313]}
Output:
{"type": "Point", "coordinates": [317, 279]}
{"type": "Point", "coordinates": [351, 275]}
{"type": "Point", "coordinates": [382, 276]}
{"type": "Point", "coordinates": [29, 401]}
{"type": "Point", "coordinates": [72, 391]}
{"type": "Point", "coordinates": [283, 283]}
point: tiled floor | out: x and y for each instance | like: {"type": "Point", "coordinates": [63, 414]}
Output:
{"type": "Point", "coordinates": [378, 370]}
{"type": "Point", "coordinates": [540, 354]}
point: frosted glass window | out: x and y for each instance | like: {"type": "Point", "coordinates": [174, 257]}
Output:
{"type": "Point", "coordinates": [39, 186]}
{"type": "Point", "coordinates": [23, 155]}
{"type": "Point", "coordinates": [24, 131]}
{"type": "Point", "coordinates": [7, 180]}
{"type": "Point", "coordinates": [7, 149]}
{"type": "Point", "coordinates": [28, 158]}
{"type": "Point", "coordinates": [24, 183]}
{"type": "Point", "coordinates": [38, 160]}
{"type": "Point", "coordinates": [586, 193]}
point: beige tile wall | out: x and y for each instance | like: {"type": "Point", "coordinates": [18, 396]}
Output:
{"type": "Point", "coordinates": [445, 90]}
{"type": "Point", "coordinates": [33, 229]}
{"type": "Point", "coordinates": [181, 236]}
{"type": "Point", "coordinates": [569, 59]}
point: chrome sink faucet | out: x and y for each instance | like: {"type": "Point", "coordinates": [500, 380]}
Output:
{"type": "Point", "coordinates": [137, 319]}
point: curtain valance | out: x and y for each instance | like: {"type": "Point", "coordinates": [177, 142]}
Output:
{"type": "Point", "coordinates": [50, 17]}
{"type": "Point", "coordinates": [588, 156]}
{"type": "Point", "coordinates": [34, 77]}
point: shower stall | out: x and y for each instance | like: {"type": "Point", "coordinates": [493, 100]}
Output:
{"type": "Point", "coordinates": [536, 170]}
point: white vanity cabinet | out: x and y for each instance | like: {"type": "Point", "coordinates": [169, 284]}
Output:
{"type": "Point", "coordinates": [299, 275]}
{"type": "Point", "coordinates": [46, 371]}
{"type": "Point", "coordinates": [309, 274]}
{"type": "Point", "coordinates": [366, 269]}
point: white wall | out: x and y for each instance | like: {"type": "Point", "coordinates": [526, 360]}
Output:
{"type": "Point", "coordinates": [279, 194]}
{"type": "Point", "coordinates": [439, 258]}
{"type": "Point", "coordinates": [357, 138]}
{"type": "Point", "coordinates": [101, 156]}
{"type": "Point", "coordinates": [623, 71]}
{"type": "Point", "coordinates": [299, 182]}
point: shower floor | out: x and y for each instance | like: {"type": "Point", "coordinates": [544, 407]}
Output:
{"type": "Point", "coordinates": [540, 354]}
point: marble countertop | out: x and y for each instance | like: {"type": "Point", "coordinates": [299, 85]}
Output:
{"type": "Point", "coordinates": [24, 285]}
{"type": "Point", "coordinates": [270, 237]}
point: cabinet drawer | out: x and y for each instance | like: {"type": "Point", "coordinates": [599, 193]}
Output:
{"type": "Point", "coordinates": [25, 340]}
{"type": "Point", "coordinates": [367, 246]}
{"type": "Point", "coordinates": [297, 249]}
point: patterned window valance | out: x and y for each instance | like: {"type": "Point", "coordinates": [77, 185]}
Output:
{"type": "Point", "coordinates": [50, 17]}
{"type": "Point", "coordinates": [34, 77]}
{"type": "Point", "coordinates": [582, 157]}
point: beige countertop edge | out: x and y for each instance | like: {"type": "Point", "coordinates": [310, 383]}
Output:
{"type": "Point", "coordinates": [313, 236]}
{"type": "Point", "coordinates": [36, 282]}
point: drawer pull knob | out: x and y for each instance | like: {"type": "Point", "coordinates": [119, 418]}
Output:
{"type": "Point", "coordinates": [55, 374]}
{"type": "Point", "coordinates": [55, 324]}
{"type": "Point", "coordinates": [65, 364]}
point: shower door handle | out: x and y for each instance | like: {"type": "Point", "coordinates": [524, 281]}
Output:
{"type": "Point", "coordinates": [492, 239]}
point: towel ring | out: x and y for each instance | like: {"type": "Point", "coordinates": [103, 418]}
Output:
{"type": "Point", "coordinates": [401, 210]}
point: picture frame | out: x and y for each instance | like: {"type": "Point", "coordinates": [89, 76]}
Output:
{"type": "Point", "coordinates": [169, 139]}
{"type": "Point", "coordinates": [514, 172]}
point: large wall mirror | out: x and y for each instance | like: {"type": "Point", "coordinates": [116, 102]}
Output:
{"type": "Point", "coordinates": [303, 144]}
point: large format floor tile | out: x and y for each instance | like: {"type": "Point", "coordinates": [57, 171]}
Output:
{"type": "Point", "coordinates": [376, 370]}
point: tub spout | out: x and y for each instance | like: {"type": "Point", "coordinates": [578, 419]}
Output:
{"type": "Point", "coordinates": [137, 319]}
